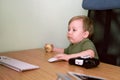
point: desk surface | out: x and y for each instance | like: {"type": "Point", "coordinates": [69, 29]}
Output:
{"type": "Point", "coordinates": [47, 71]}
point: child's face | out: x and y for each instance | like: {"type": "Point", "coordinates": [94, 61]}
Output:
{"type": "Point", "coordinates": [76, 32]}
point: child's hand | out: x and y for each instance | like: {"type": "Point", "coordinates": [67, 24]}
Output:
{"type": "Point", "coordinates": [62, 56]}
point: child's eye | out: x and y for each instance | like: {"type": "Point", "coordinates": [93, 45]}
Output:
{"type": "Point", "coordinates": [74, 29]}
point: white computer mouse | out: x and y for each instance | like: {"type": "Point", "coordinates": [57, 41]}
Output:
{"type": "Point", "coordinates": [53, 59]}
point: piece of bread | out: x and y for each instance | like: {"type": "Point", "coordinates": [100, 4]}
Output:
{"type": "Point", "coordinates": [48, 48]}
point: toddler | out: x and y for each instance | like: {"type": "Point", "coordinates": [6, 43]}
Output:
{"type": "Point", "coordinates": [80, 28]}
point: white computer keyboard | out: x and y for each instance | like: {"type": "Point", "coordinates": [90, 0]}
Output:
{"type": "Point", "coordinates": [15, 64]}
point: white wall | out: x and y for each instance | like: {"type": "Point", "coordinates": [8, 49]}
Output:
{"type": "Point", "coordinates": [27, 24]}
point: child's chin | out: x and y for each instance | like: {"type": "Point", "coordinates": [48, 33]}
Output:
{"type": "Point", "coordinates": [72, 41]}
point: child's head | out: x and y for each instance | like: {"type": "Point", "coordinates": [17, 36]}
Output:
{"type": "Point", "coordinates": [79, 27]}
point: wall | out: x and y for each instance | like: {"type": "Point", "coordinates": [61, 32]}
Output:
{"type": "Point", "coordinates": [28, 24]}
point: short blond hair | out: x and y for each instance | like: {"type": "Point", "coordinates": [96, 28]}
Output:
{"type": "Point", "coordinates": [87, 23]}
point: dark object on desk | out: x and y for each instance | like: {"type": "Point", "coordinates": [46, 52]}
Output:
{"type": "Point", "coordinates": [84, 62]}
{"type": "Point", "coordinates": [106, 17]}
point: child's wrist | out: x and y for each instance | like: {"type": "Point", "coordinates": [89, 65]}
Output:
{"type": "Point", "coordinates": [54, 49]}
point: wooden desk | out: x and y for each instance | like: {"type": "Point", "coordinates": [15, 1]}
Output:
{"type": "Point", "coordinates": [47, 71]}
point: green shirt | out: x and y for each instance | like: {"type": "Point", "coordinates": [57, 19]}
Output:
{"type": "Point", "coordinates": [81, 46]}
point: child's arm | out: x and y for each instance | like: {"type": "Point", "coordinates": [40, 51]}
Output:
{"type": "Point", "coordinates": [88, 52]}
{"type": "Point", "coordinates": [59, 50]}
{"type": "Point", "coordinates": [81, 54]}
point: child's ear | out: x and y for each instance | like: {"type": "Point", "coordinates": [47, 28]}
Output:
{"type": "Point", "coordinates": [86, 34]}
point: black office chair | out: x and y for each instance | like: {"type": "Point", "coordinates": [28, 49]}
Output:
{"type": "Point", "coordinates": [106, 16]}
